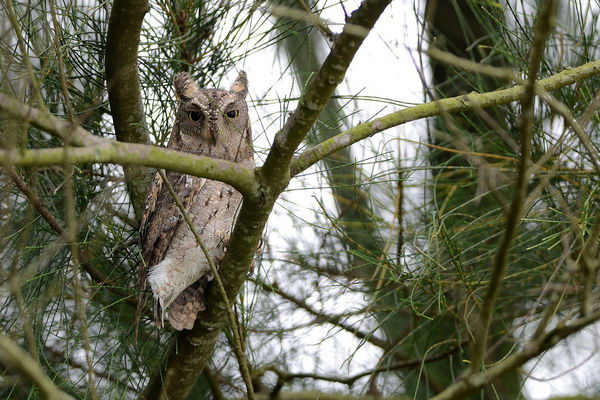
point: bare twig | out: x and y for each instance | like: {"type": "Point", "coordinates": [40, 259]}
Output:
{"type": "Point", "coordinates": [332, 319]}
{"type": "Point", "coordinates": [12, 356]}
{"type": "Point", "coordinates": [544, 27]}
{"type": "Point", "coordinates": [286, 376]}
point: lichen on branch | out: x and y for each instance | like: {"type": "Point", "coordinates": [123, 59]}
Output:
{"type": "Point", "coordinates": [124, 89]}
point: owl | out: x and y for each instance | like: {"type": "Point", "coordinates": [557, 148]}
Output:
{"type": "Point", "coordinates": [212, 123]}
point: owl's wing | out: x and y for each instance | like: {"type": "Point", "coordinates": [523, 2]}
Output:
{"type": "Point", "coordinates": [163, 216]}
{"type": "Point", "coordinates": [147, 216]}
{"type": "Point", "coordinates": [160, 221]}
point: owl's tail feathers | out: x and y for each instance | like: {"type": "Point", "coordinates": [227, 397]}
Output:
{"type": "Point", "coordinates": [185, 308]}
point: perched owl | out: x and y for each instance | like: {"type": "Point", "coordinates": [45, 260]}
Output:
{"type": "Point", "coordinates": [212, 123]}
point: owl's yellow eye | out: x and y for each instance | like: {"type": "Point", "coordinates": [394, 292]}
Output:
{"type": "Point", "coordinates": [232, 114]}
{"type": "Point", "coordinates": [194, 116]}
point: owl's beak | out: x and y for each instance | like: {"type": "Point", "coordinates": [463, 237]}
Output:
{"type": "Point", "coordinates": [212, 130]}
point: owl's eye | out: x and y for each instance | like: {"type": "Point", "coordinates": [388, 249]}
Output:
{"type": "Point", "coordinates": [194, 116]}
{"type": "Point", "coordinates": [232, 113]}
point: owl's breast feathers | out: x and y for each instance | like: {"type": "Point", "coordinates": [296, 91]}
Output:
{"type": "Point", "coordinates": [161, 221]}
{"type": "Point", "coordinates": [174, 264]}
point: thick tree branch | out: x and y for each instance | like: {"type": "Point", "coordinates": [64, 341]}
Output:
{"type": "Point", "coordinates": [124, 89]}
{"type": "Point", "coordinates": [319, 90]}
{"type": "Point", "coordinates": [233, 324]}
{"type": "Point", "coordinates": [451, 105]}
{"type": "Point", "coordinates": [69, 132]}
{"type": "Point", "coordinates": [131, 154]}
{"type": "Point", "coordinates": [76, 135]}
{"type": "Point", "coordinates": [100, 149]}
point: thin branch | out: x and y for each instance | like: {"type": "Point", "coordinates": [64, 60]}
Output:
{"type": "Point", "coordinates": [544, 27]}
{"type": "Point", "coordinates": [470, 383]}
{"type": "Point", "coordinates": [308, 16]}
{"type": "Point", "coordinates": [469, 65]}
{"type": "Point", "coordinates": [456, 104]}
{"type": "Point", "coordinates": [72, 238]}
{"type": "Point", "coordinates": [12, 356]}
{"type": "Point", "coordinates": [61, 65]}
{"type": "Point", "coordinates": [332, 319]}
{"type": "Point", "coordinates": [85, 257]}
{"type": "Point", "coordinates": [319, 90]}
{"type": "Point", "coordinates": [286, 376]}
{"type": "Point", "coordinates": [320, 395]}
{"type": "Point", "coordinates": [12, 16]}
{"type": "Point", "coordinates": [562, 109]}
{"type": "Point", "coordinates": [35, 201]}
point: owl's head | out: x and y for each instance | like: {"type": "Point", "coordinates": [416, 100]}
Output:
{"type": "Point", "coordinates": [213, 115]}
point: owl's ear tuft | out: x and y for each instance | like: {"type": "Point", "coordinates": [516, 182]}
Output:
{"type": "Point", "coordinates": [240, 85]}
{"type": "Point", "coordinates": [185, 86]}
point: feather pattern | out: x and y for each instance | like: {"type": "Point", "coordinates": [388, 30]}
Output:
{"type": "Point", "coordinates": [213, 123]}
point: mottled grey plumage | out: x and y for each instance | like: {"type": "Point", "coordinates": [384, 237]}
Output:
{"type": "Point", "coordinates": [213, 123]}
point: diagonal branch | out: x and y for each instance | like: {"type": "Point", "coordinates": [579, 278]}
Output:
{"type": "Point", "coordinates": [473, 382]}
{"type": "Point", "coordinates": [450, 105]}
{"type": "Point", "coordinates": [56, 226]}
{"type": "Point", "coordinates": [335, 320]}
{"type": "Point", "coordinates": [319, 90]}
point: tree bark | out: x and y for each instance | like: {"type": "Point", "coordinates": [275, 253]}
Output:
{"type": "Point", "coordinates": [124, 89]}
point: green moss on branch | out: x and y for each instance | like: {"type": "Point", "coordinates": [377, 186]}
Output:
{"type": "Point", "coordinates": [124, 89]}
{"type": "Point", "coordinates": [131, 154]}
{"type": "Point", "coordinates": [457, 104]}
